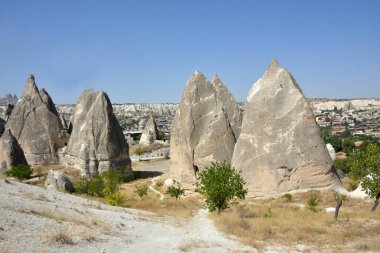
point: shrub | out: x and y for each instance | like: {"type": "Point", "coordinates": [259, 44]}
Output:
{"type": "Point", "coordinates": [268, 214]}
{"type": "Point", "coordinates": [160, 184]}
{"type": "Point", "coordinates": [139, 151]}
{"type": "Point", "coordinates": [142, 190]}
{"type": "Point", "coordinates": [20, 172]}
{"type": "Point", "coordinates": [105, 186]}
{"type": "Point", "coordinates": [219, 184]}
{"type": "Point", "coordinates": [113, 198]}
{"type": "Point", "coordinates": [175, 192]}
{"type": "Point", "coordinates": [313, 202]}
{"type": "Point", "coordinates": [288, 197]}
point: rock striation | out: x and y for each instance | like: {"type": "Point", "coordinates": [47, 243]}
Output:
{"type": "Point", "coordinates": [205, 128]}
{"type": "Point", "coordinates": [11, 153]}
{"type": "Point", "coordinates": [280, 148]}
{"type": "Point", "coordinates": [97, 143]}
{"type": "Point", "coordinates": [150, 132]}
{"type": "Point", "coordinates": [35, 123]}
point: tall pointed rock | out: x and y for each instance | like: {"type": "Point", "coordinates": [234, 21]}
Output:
{"type": "Point", "coordinates": [11, 153]}
{"type": "Point", "coordinates": [150, 132]}
{"type": "Point", "coordinates": [205, 128]}
{"type": "Point", "coordinates": [35, 124]}
{"type": "Point", "coordinates": [280, 148]}
{"type": "Point", "coordinates": [97, 143]}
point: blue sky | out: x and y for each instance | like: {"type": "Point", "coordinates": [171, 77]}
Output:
{"type": "Point", "coordinates": [144, 51]}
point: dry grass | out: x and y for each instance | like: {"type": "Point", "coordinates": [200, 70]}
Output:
{"type": "Point", "coordinates": [42, 172]}
{"type": "Point", "coordinates": [190, 245]}
{"type": "Point", "coordinates": [287, 224]}
{"type": "Point", "coordinates": [63, 237]}
{"type": "Point", "coordinates": [350, 184]}
{"type": "Point", "coordinates": [149, 148]}
{"type": "Point", "coordinates": [184, 207]}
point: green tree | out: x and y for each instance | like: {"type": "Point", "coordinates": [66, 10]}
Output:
{"type": "Point", "coordinates": [365, 165]}
{"type": "Point", "coordinates": [341, 164]}
{"type": "Point", "coordinates": [219, 184]}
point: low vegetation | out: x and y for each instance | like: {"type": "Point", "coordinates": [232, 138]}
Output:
{"type": "Point", "coordinates": [219, 184]}
{"type": "Point", "coordinates": [142, 190]}
{"type": "Point", "coordinates": [271, 222]}
{"type": "Point", "coordinates": [104, 186]}
{"type": "Point", "coordinates": [20, 172]}
{"type": "Point", "coordinates": [175, 192]}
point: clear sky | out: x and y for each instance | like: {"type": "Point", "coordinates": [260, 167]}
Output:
{"type": "Point", "coordinates": [144, 51]}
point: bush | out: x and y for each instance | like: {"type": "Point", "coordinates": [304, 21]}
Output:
{"type": "Point", "coordinates": [160, 184]}
{"type": "Point", "coordinates": [20, 172]}
{"type": "Point", "coordinates": [219, 184]}
{"type": "Point", "coordinates": [114, 198]}
{"type": "Point", "coordinates": [105, 186]}
{"type": "Point", "coordinates": [313, 202]}
{"type": "Point", "coordinates": [175, 192]}
{"type": "Point", "coordinates": [139, 151]}
{"type": "Point", "coordinates": [288, 197]}
{"type": "Point", "coordinates": [142, 190]}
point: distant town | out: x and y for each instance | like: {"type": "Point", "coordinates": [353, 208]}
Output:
{"type": "Point", "coordinates": [359, 116]}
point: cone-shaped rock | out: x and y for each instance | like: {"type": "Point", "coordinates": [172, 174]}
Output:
{"type": "Point", "coordinates": [35, 124]}
{"type": "Point", "coordinates": [150, 132]}
{"type": "Point", "coordinates": [205, 128]}
{"type": "Point", "coordinates": [280, 148]}
{"type": "Point", "coordinates": [97, 143]}
{"type": "Point", "coordinates": [11, 153]}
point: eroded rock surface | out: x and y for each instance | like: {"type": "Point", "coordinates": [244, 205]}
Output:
{"type": "Point", "coordinates": [205, 128]}
{"type": "Point", "coordinates": [280, 148]}
{"type": "Point", "coordinates": [150, 132]}
{"type": "Point", "coordinates": [97, 143]}
{"type": "Point", "coordinates": [11, 153]}
{"type": "Point", "coordinates": [35, 124]}
{"type": "Point", "coordinates": [58, 181]}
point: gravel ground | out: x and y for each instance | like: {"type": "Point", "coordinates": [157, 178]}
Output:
{"type": "Point", "coordinates": [37, 220]}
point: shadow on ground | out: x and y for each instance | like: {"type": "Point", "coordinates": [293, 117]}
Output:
{"type": "Point", "coordinates": [146, 174]}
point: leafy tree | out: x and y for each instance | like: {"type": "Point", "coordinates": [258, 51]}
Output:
{"type": "Point", "coordinates": [219, 184]}
{"type": "Point", "coordinates": [365, 165]}
{"type": "Point", "coordinates": [342, 165]}
{"type": "Point", "coordinates": [348, 145]}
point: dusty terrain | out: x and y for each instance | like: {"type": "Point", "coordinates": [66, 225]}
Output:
{"type": "Point", "coordinates": [37, 220]}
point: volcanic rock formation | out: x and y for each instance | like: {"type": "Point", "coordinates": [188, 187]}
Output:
{"type": "Point", "coordinates": [205, 128]}
{"type": "Point", "coordinates": [150, 132]}
{"type": "Point", "coordinates": [35, 124]}
{"type": "Point", "coordinates": [97, 143]}
{"type": "Point", "coordinates": [280, 148]}
{"type": "Point", "coordinates": [11, 153]}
